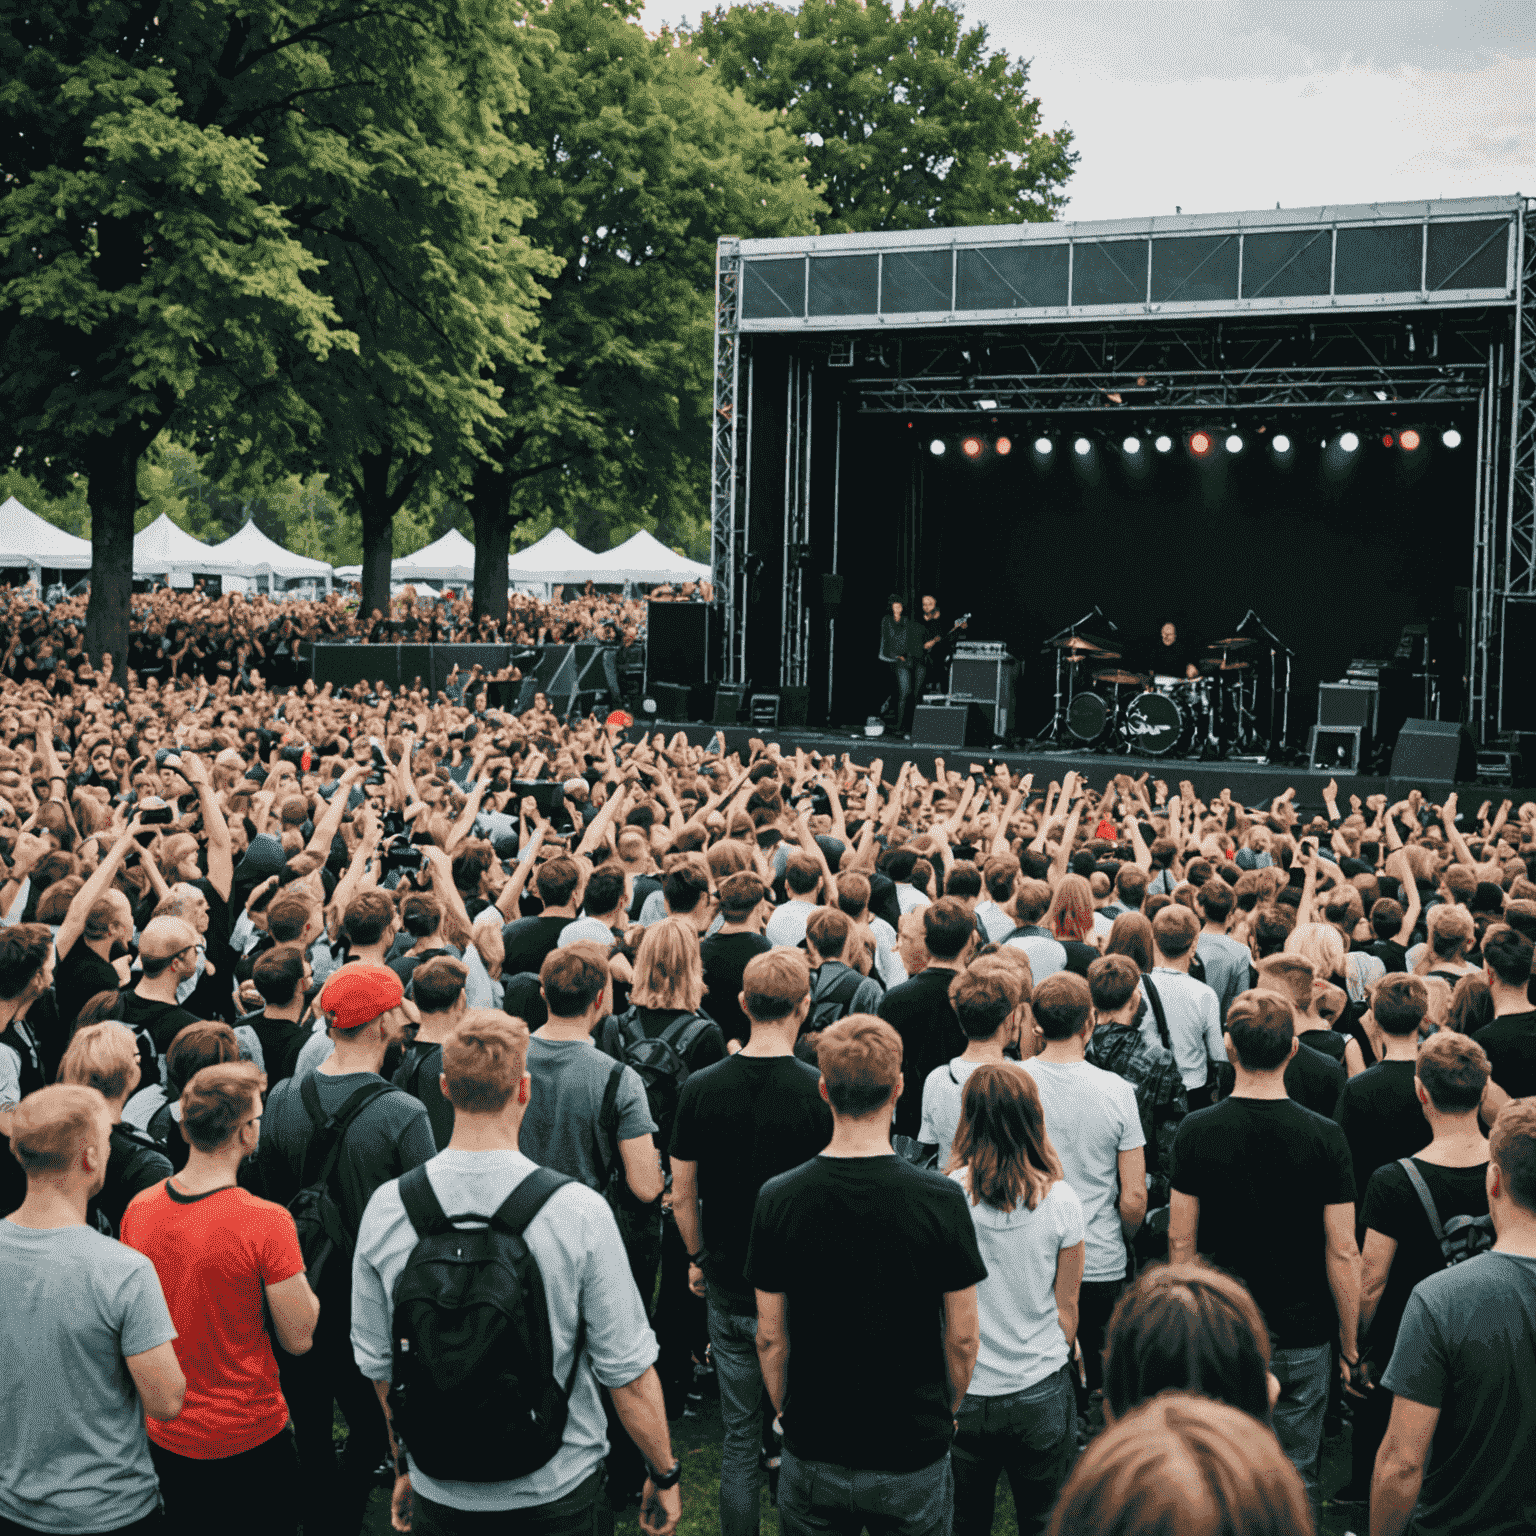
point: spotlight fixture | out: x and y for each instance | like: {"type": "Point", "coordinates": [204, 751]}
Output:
{"type": "Point", "coordinates": [1387, 440]}
{"type": "Point", "coordinates": [1234, 444]}
{"type": "Point", "coordinates": [1408, 437]}
{"type": "Point", "coordinates": [1348, 442]}
{"type": "Point", "coordinates": [971, 447]}
{"type": "Point", "coordinates": [1451, 438]}
{"type": "Point", "coordinates": [986, 405]}
{"type": "Point", "coordinates": [1163, 443]}
{"type": "Point", "coordinates": [1004, 446]}
{"type": "Point", "coordinates": [1132, 445]}
{"type": "Point", "coordinates": [936, 447]}
{"type": "Point", "coordinates": [1043, 446]}
{"type": "Point", "coordinates": [1282, 443]}
{"type": "Point", "coordinates": [1082, 447]}
{"type": "Point", "coordinates": [1200, 442]}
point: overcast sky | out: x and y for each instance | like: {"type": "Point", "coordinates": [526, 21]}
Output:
{"type": "Point", "coordinates": [1234, 104]}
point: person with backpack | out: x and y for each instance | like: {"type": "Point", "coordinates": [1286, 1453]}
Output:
{"type": "Point", "coordinates": [438, 988]}
{"type": "Point", "coordinates": [329, 1139]}
{"type": "Point", "coordinates": [227, 1261]}
{"type": "Point", "coordinates": [1421, 1214]}
{"type": "Point", "coordinates": [481, 1244]}
{"type": "Point", "coordinates": [740, 1123]}
{"type": "Point", "coordinates": [837, 989]}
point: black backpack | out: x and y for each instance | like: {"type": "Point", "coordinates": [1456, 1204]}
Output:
{"type": "Point", "coordinates": [324, 1240]}
{"type": "Point", "coordinates": [660, 1061]}
{"type": "Point", "coordinates": [833, 1004]}
{"type": "Point", "coordinates": [472, 1385]}
{"type": "Point", "coordinates": [1462, 1237]}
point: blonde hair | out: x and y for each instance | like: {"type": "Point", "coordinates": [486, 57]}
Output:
{"type": "Point", "coordinates": [669, 972]}
{"type": "Point", "coordinates": [1450, 932]}
{"type": "Point", "coordinates": [484, 1057]}
{"type": "Point", "coordinates": [1323, 945]}
{"type": "Point", "coordinates": [47, 1128]}
{"type": "Point", "coordinates": [104, 1057]}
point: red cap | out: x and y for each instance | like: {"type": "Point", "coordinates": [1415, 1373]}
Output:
{"type": "Point", "coordinates": [357, 994]}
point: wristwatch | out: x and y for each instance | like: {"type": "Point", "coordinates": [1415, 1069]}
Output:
{"type": "Point", "coordinates": [661, 1481]}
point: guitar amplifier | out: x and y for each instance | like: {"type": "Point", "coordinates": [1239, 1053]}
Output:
{"type": "Point", "coordinates": [987, 681]}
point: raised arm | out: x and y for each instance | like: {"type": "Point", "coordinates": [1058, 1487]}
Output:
{"type": "Point", "coordinates": [221, 861]}
{"type": "Point", "coordinates": [93, 890]}
{"type": "Point", "coordinates": [1452, 835]}
{"type": "Point", "coordinates": [336, 807]}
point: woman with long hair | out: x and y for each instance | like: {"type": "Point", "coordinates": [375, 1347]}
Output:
{"type": "Point", "coordinates": [1019, 1416]}
{"type": "Point", "coordinates": [1070, 918]}
{"type": "Point", "coordinates": [1452, 937]}
{"type": "Point", "coordinates": [1132, 935]}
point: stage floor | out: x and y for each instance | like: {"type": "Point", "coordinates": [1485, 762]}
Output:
{"type": "Point", "coordinates": [1250, 783]}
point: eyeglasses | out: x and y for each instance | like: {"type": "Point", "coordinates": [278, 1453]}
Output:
{"type": "Point", "coordinates": [177, 954]}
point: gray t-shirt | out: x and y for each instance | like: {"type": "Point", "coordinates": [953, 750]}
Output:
{"type": "Point", "coordinates": [1465, 1348]}
{"type": "Point", "coordinates": [575, 1242]}
{"type": "Point", "coordinates": [73, 1452]}
{"type": "Point", "coordinates": [942, 1091]}
{"type": "Point", "coordinates": [560, 1127]}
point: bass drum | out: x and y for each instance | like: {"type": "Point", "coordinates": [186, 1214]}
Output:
{"type": "Point", "coordinates": [1088, 718]}
{"type": "Point", "coordinates": [1154, 724]}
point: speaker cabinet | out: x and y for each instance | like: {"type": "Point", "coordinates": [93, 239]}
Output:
{"type": "Point", "coordinates": [727, 705]}
{"type": "Point", "coordinates": [794, 706]}
{"type": "Point", "coordinates": [1434, 752]}
{"type": "Point", "coordinates": [677, 643]}
{"type": "Point", "coordinates": [951, 725]}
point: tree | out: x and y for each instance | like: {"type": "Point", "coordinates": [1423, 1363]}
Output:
{"type": "Point", "coordinates": [145, 271]}
{"type": "Point", "coordinates": [640, 159]}
{"type": "Point", "coordinates": [910, 122]}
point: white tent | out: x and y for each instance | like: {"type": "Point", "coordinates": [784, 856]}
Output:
{"type": "Point", "coordinates": [450, 558]}
{"type": "Point", "coordinates": [645, 560]}
{"type": "Point", "coordinates": [556, 558]}
{"type": "Point", "coordinates": [27, 539]}
{"type": "Point", "coordinates": [264, 556]}
{"type": "Point", "coordinates": [163, 549]}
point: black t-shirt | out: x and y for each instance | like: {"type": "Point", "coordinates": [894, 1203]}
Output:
{"type": "Point", "coordinates": [865, 1249]}
{"type": "Point", "coordinates": [725, 958]}
{"type": "Point", "coordinates": [1393, 1209]}
{"type": "Point", "coordinates": [1314, 1079]}
{"type": "Point", "coordinates": [1381, 1119]}
{"type": "Point", "coordinates": [134, 1164]}
{"type": "Point", "coordinates": [1263, 1171]}
{"type": "Point", "coordinates": [641, 887]}
{"type": "Point", "coordinates": [529, 942]}
{"type": "Point", "coordinates": [281, 1041]}
{"type": "Point", "coordinates": [78, 977]}
{"type": "Point", "coordinates": [1510, 1042]}
{"type": "Point", "coordinates": [743, 1121]}
{"type": "Point", "coordinates": [420, 1074]}
{"type": "Point", "coordinates": [161, 1022]}
{"type": "Point", "coordinates": [523, 998]}
{"type": "Point", "coordinates": [1390, 953]}
{"type": "Point", "coordinates": [919, 1011]}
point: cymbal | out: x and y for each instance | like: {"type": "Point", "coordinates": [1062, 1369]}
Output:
{"type": "Point", "coordinates": [1232, 643]}
{"type": "Point", "coordinates": [1130, 679]}
{"type": "Point", "coordinates": [1210, 664]}
{"type": "Point", "coordinates": [1082, 643]}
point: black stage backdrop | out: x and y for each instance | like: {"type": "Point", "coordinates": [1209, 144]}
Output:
{"type": "Point", "coordinates": [1335, 551]}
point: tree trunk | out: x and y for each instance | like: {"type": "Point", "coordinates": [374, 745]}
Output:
{"type": "Point", "coordinates": [377, 507]}
{"type": "Point", "coordinates": [112, 493]}
{"type": "Point", "coordinates": [493, 534]}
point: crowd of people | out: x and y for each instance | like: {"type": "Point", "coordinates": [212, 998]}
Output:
{"type": "Point", "coordinates": [401, 1090]}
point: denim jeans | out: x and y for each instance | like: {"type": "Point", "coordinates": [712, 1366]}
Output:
{"type": "Point", "coordinates": [733, 1345]}
{"type": "Point", "coordinates": [1031, 1436]}
{"type": "Point", "coordinates": [1298, 1416]}
{"type": "Point", "coordinates": [817, 1498]}
{"type": "Point", "coordinates": [909, 691]}
{"type": "Point", "coordinates": [584, 1511]}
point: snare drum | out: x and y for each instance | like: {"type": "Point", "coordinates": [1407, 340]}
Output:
{"type": "Point", "coordinates": [1154, 724]}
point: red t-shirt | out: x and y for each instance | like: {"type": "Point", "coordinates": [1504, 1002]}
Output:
{"type": "Point", "coordinates": [214, 1253]}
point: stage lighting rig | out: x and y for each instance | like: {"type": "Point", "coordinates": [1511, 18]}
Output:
{"type": "Point", "coordinates": [1348, 441]}
{"type": "Point", "coordinates": [1451, 438]}
{"type": "Point", "coordinates": [1234, 444]}
{"type": "Point", "coordinates": [936, 447]}
{"type": "Point", "coordinates": [1132, 446]}
{"type": "Point", "coordinates": [1082, 447]}
{"type": "Point", "coordinates": [1043, 446]}
{"type": "Point", "coordinates": [1282, 443]}
{"type": "Point", "coordinates": [1164, 443]}
{"type": "Point", "coordinates": [1409, 439]}
{"type": "Point", "coordinates": [971, 447]}
{"type": "Point", "coordinates": [1004, 446]}
{"type": "Point", "coordinates": [1200, 443]}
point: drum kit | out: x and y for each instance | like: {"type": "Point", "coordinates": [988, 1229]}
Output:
{"type": "Point", "coordinates": [1103, 705]}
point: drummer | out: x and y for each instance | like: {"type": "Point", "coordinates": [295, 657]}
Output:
{"type": "Point", "coordinates": [1169, 656]}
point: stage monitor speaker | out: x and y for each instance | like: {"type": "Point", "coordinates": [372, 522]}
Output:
{"type": "Point", "coordinates": [951, 725]}
{"type": "Point", "coordinates": [1336, 747]}
{"type": "Point", "coordinates": [1347, 703]}
{"type": "Point", "coordinates": [677, 643]}
{"type": "Point", "coordinates": [727, 705]}
{"type": "Point", "coordinates": [1434, 752]}
{"type": "Point", "coordinates": [794, 706]}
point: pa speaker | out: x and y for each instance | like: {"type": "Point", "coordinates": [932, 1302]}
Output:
{"type": "Point", "coordinates": [677, 643]}
{"type": "Point", "coordinates": [794, 706]}
{"type": "Point", "coordinates": [951, 725]}
{"type": "Point", "coordinates": [727, 706]}
{"type": "Point", "coordinates": [1434, 752]}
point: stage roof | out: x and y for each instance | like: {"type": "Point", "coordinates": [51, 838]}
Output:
{"type": "Point", "coordinates": [1446, 253]}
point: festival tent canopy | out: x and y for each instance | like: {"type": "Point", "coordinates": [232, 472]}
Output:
{"type": "Point", "coordinates": [163, 549]}
{"type": "Point", "coordinates": [646, 560]}
{"type": "Point", "coordinates": [450, 558]}
{"type": "Point", "coordinates": [27, 539]}
{"type": "Point", "coordinates": [253, 548]}
{"type": "Point", "coordinates": [557, 557]}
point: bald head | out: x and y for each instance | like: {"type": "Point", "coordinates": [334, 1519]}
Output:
{"type": "Point", "coordinates": [168, 939]}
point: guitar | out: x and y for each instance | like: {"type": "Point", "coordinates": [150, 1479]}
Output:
{"type": "Point", "coordinates": [942, 641]}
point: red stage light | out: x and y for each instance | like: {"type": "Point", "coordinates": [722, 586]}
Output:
{"type": "Point", "coordinates": [1409, 439]}
{"type": "Point", "coordinates": [971, 447]}
{"type": "Point", "coordinates": [1200, 442]}
{"type": "Point", "coordinates": [1004, 446]}
{"type": "Point", "coordinates": [1386, 439]}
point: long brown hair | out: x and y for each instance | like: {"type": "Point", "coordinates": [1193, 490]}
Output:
{"type": "Point", "coordinates": [1002, 1139]}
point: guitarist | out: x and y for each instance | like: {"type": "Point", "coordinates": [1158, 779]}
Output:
{"type": "Point", "coordinates": [939, 637]}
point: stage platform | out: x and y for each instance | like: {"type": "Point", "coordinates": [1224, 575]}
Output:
{"type": "Point", "coordinates": [1250, 783]}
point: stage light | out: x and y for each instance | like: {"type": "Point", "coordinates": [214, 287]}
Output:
{"type": "Point", "coordinates": [1282, 443]}
{"type": "Point", "coordinates": [1451, 438]}
{"type": "Point", "coordinates": [1409, 439]}
{"type": "Point", "coordinates": [1004, 446]}
{"type": "Point", "coordinates": [1163, 444]}
{"type": "Point", "coordinates": [1234, 444]}
{"type": "Point", "coordinates": [971, 447]}
{"type": "Point", "coordinates": [1043, 446]}
{"type": "Point", "coordinates": [1132, 445]}
{"type": "Point", "coordinates": [1082, 447]}
{"type": "Point", "coordinates": [936, 447]}
{"type": "Point", "coordinates": [986, 405]}
{"type": "Point", "coordinates": [1387, 439]}
{"type": "Point", "coordinates": [1200, 442]}
{"type": "Point", "coordinates": [1349, 442]}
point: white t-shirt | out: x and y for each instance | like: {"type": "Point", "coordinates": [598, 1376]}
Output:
{"type": "Point", "coordinates": [942, 1091]}
{"type": "Point", "coordinates": [1021, 1338]}
{"type": "Point", "coordinates": [909, 898]}
{"type": "Point", "coordinates": [1046, 955]}
{"type": "Point", "coordinates": [995, 920]}
{"type": "Point", "coordinates": [786, 928]}
{"type": "Point", "coordinates": [1194, 1024]}
{"type": "Point", "coordinates": [1091, 1117]}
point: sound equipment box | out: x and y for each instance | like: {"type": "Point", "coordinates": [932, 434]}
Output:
{"type": "Point", "coordinates": [671, 701]}
{"type": "Point", "coordinates": [1434, 752]}
{"type": "Point", "coordinates": [794, 705]}
{"type": "Point", "coordinates": [727, 705]}
{"type": "Point", "coordinates": [951, 725]}
{"type": "Point", "coordinates": [676, 643]}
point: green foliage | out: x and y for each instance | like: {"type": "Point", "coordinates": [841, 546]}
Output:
{"type": "Point", "coordinates": [67, 511]}
{"type": "Point", "coordinates": [910, 121]}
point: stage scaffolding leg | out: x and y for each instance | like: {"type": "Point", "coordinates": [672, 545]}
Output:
{"type": "Point", "coordinates": [728, 547]}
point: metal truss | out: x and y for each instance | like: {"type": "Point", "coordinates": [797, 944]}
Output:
{"type": "Point", "coordinates": [1520, 535]}
{"type": "Point", "coordinates": [794, 656]}
{"type": "Point", "coordinates": [728, 480]}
